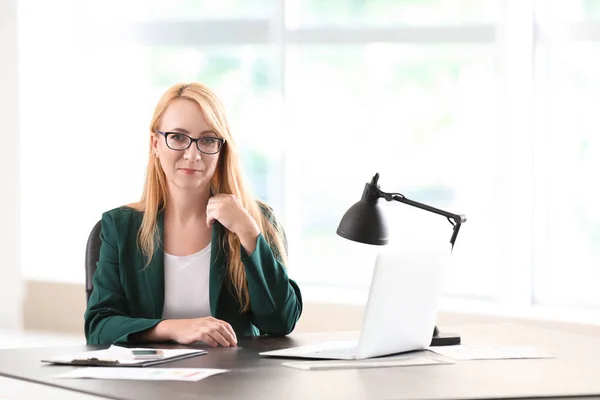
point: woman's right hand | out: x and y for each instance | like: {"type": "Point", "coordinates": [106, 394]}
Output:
{"type": "Point", "coordinates": [211, 331]}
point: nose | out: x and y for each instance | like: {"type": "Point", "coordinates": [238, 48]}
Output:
{"type": "Point", "coordinates": [192, 153]}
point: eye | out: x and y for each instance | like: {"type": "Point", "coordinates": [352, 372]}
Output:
{"type": "Point", "coordinates": [209, 141]}
{"type": "Point", "coordinates": [178, 138]}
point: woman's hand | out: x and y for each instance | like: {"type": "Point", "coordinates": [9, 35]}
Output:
{"type": "Point", "coordinates": [229, 211]}
{"type": "Point", "coordinates": [211, 331]}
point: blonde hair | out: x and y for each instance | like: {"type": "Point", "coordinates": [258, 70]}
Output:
{"type": "Point", "coordinates": [226, 179]}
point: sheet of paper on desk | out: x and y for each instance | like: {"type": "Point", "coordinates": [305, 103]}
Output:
{"type": "Point", "coordinates": [476, 352]}
{"type": "Point", "coordinates": [398, 361]}
{"type": "Point", "coordinates": [145, 374]}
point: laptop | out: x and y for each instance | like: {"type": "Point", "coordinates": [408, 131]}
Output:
{"type": "Point", "coordinates": [401, 309]}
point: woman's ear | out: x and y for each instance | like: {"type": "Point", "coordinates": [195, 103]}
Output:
{"type": "Point", "coordinates": [154, 142]}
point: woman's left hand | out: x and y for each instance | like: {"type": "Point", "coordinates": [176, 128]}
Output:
{"type": "Point", "coordinates": [229, 211]}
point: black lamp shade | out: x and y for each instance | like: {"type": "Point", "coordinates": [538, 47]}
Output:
{"type": "Point", "coordinates": [364, 222]}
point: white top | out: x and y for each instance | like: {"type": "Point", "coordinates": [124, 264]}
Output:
{"type": "Point", "coordinates": [187, 285]}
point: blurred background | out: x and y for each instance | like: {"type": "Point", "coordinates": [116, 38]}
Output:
{"type": "Point", "coordinates": [479, 107]}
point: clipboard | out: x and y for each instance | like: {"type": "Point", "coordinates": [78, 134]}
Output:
{"type": "Point", "coordinates": [116, 356]}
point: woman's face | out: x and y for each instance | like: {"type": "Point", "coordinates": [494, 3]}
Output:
{"type": "Point", "coordinates": [189, 168]}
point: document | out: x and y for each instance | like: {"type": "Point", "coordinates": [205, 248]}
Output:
{"type": "Point", "coordinates": [477, 352]}
{"type": "Point", "coordinates": [382, 362]}
{"type": "Point", "coordinates": [117, 356]}
{"type": "Point", "coordinates": [145, 374]}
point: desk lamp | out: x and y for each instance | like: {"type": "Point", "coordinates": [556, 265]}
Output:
{"type": "Point", "coordinates": [364, 222]}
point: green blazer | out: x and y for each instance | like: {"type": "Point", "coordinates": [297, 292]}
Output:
{"type": "Point", "coordinates": [128, 298]}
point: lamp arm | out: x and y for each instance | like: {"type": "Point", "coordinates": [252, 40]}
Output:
{"type": "Point", "coordinates": [455, 219]}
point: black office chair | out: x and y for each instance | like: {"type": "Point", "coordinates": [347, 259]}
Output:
{"type": "Point", "coordinates": [92, 255]}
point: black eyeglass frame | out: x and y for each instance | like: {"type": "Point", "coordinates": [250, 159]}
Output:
{"type": "Point", "coordinates": [192, 140]}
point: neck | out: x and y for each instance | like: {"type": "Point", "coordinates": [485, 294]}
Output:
{"type": "Point", "coordinates": [185, 205]}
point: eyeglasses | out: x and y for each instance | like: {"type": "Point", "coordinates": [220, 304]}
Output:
{"type": "Point", "coordinates": [180, 142]}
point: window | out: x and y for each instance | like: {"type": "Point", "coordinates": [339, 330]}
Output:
{"type": "Point", "coordinates": [148, 10]}
{"type": "Point", "coordinates": [568, 223]}
{"type": "Point", "coordinates": [405, 111]}
{"type": "Point", "coordinates": [481, 107]}
{"type": "Point", "coordinates": [393, 12]}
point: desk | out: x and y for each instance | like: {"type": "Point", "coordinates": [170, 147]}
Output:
{"type": "Point", "coordinates": [575, 372]}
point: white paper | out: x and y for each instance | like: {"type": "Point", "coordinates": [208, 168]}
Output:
{"type": "Point", "coordinates": [476, 352]}
{"type": "Point", "coordinates": [121, 354]}
{"type": "Point", "coordinates": [402, 361]}
{"type": "Point", "coordinates": [145, 374]}
{"type": "Point", "coordinates": [309, 348]}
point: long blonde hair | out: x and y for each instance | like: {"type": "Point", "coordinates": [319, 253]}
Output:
{"type": "Point", "coordinates": [228, 178]}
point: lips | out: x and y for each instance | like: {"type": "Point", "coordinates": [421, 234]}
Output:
{"type": "Point", "coordinates": [189, 170]}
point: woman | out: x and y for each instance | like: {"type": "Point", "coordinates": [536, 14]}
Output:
{"type": "Point", "coordinates": [197, 258]}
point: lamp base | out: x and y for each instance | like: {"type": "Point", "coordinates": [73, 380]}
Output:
{"type": "Point", "coordinates": [444, 339]}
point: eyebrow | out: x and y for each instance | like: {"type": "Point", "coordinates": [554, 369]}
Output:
{"type": "Point", "coordinates": [183, 130]}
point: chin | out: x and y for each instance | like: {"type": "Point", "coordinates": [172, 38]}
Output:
{"type": "Point", "coordinates": [190, 184]}
{"type": "Point", "coordinates": [193, 185]}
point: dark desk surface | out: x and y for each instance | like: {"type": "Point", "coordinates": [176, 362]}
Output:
{"type": "Point", "coordinates": [575, 372]}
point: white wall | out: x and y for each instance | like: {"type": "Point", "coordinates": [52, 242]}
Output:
{"type": "Point", "coordinates": [11, 286]}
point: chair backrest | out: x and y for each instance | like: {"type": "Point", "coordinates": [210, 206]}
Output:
{"type": "Point", "coordinates": [92, 255]}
